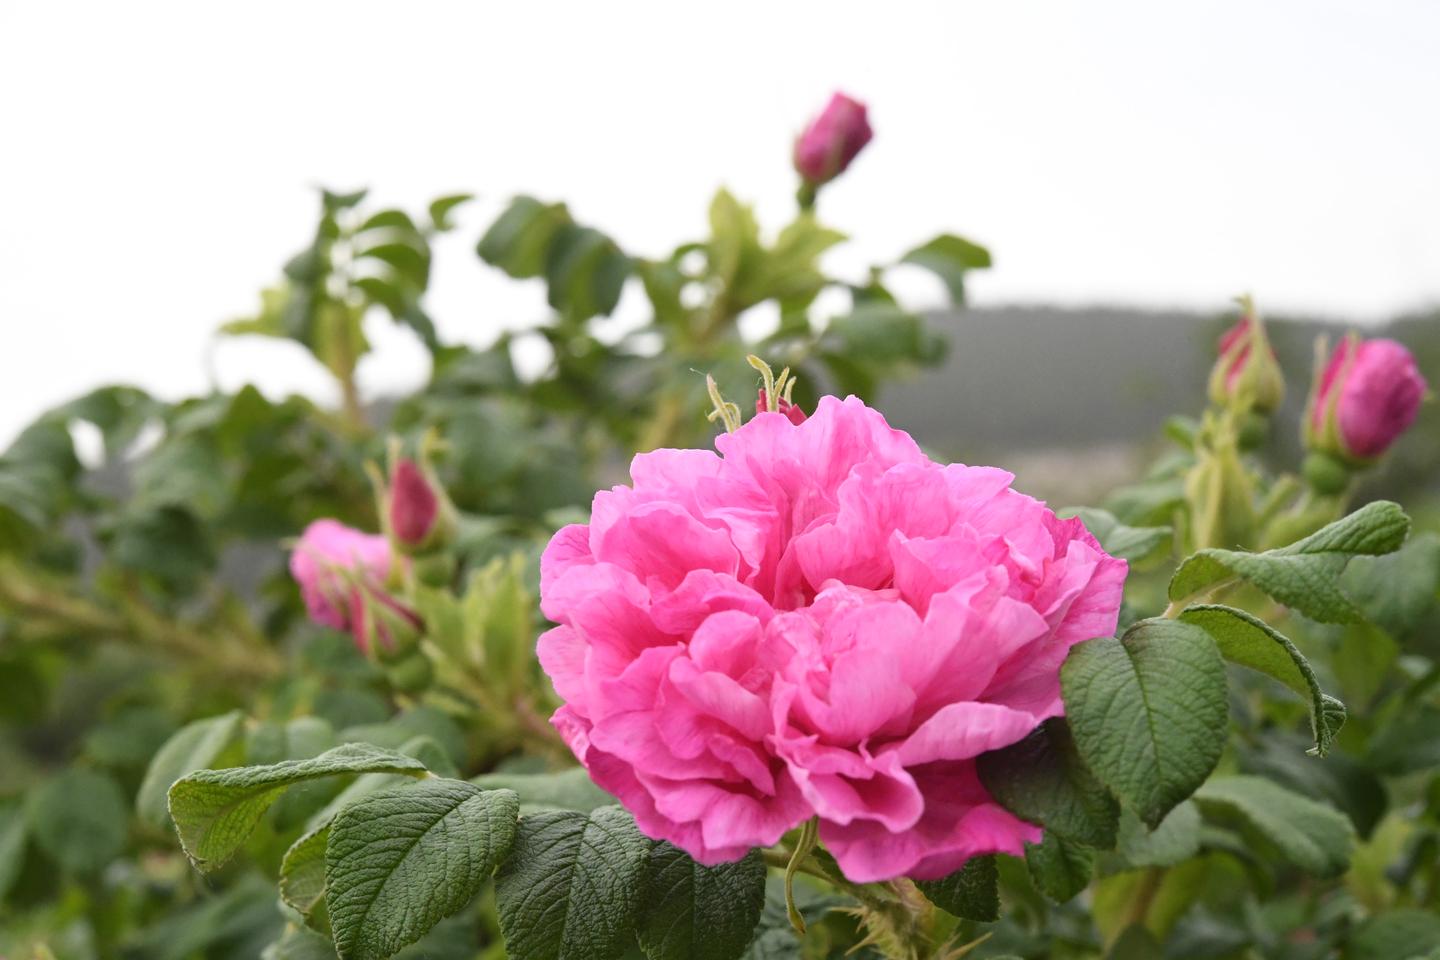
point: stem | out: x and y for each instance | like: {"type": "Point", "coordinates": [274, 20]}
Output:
{"type": "Point", "coordinates": [1143, 898]}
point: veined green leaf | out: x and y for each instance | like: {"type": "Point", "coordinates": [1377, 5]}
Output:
{"type": "Point", "coordinates": [1305, 575]}
{"type": "Point", "coordinates": [1148, 712]}
{"type": "Point", "coordinates": [400, 860]}
{"type": "Point", "coordinates": [970, 893]}
{"type": "Point", "coordinates": [1043, 780]}
{"type": "Point", "coordinates": [1314, 836]}
{"type": "Point", "coordinates": [695, 912]}
{"type": "Point", "coordinates": [1245, 639]}
{"type": "Point", "coordinates": [215, 810]}
{"type": "Point", "coordinates": [572, 886]}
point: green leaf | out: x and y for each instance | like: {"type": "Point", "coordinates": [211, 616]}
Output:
{"type": "Point", "coordinates": [1314, 836]}
{"type": "Point", "coordinates": [1408, 743]}
{"type": "Point", "coordinates": [409, 263]}
{"type": "Point", "coordinates": [195, 746]}
{"type": "Point", "coordinates": [79, 819]}
{"type": "Point", "coordinates": [1177, 838]}
{"type": "Point", "coordinates": [389, 220]}
{"type": "Point", "coordinates": [215, 810]}
{"type": "Point", "coordinates": [1245, 639]}
{"type": "Point", "coordinates": [694, 912]}
{"type": "Point", "coordinates": [950, 257]}
{"type": "Point", "coordinates": [572, 886]}
{"type": "Point", "coordinates": [441, 207]}
{"type": "Point", "coordinates": [1350, 786]}
{"type": "Point", "coordinates": [1060, 869]}
{"type": "Point", "coordinates": [1043, 780]}
{"type": "Point", "coordinates": [1148, 712]}
{"type": "Point", "coordinates": [1304, 575]}
{"type": "Point", "coordinates": [400, 860]}
{"type": "Point", "coordinates": [567, 790]}
{"type": "Point", "coordinates": [519, 241]}
{"type": "Point", "coordinates": [585, 273]}
{"type": "Point", "coordinates": [1395, 933]}
{"type": "Point", "coordinates": [970, 893]}
{"type": "Point", "coordinates": [302, 874]}
{"type": "Point", "coordinates": [1120, 540]}
{"type": "Point", "coordinates": [1136, 943]}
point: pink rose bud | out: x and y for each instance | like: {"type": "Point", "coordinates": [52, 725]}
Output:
{"type": "Point", "coordinates": [832, 140]}
{"type": "Point", "coordinates": [413, 504]}
{"type": "Point", "coordinates": [1246, 374]}
{"type": "Point", "coordinates": [784, 407]}
{"type": "Point", "coordinates": [421, 516]}
{"type": "Point", "coordinates": [330, 562]}
{"type": "Point", "coordinates": [1367, 395]}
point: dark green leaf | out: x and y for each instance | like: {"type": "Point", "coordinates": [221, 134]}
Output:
{"type": "Point", "coordinates": [1060, 869]}
{"type": "Point", "coordinates": [1042, 779]}
{"type": "Point", "coordinates": [573, 885]}
{"type": "Point", "coordinates": [694, 912]}
{"type": "Point", "coordinates": [1397, 933]}
{"type": "Point", "coordinates": [399, 861]}
{"type": "Point", "coordinates": [519, 241]}
{"type": "Point", "coordinates": [1245, 639]}
{"type": "Point", "coordinates": [1177, 838]}
{"type": "Point", "coordinates": [970, 893]}
{"type": "Point", "coordinates": [1148, 712]}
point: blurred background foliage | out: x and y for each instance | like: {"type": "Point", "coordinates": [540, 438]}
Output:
{"type": "Point", "coordinates": [144, 588]}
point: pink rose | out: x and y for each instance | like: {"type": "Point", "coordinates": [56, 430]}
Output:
{"type": "Point", "coordinates": [335, 567]}
{"type": "Point", "coordinates": [1368, 394]}
{"type": "Point", "coordinates": [818, 621]}
{"type": "Point", "coordinates": [832, 140]}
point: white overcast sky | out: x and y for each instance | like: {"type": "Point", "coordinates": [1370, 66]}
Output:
{"type": "Point", "coordinates": [157, 159]}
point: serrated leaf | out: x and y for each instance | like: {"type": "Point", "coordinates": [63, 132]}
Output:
{"type": "Point", "coordinates": [1314, 836]}
{"type": "Point", "coordinates": [1060, 869]}
{"type": "Point", "coordinates": [79, 819]}
{"type": "Point", "coordinates": [572, 886]}
{"type": "Point", "coordinates": [215, 810]}
{"type": "Point", "coordinates": [970, 893]}
{"type": "Point", "coordinates": [1119, 539]}
{"type": "Point", "coordinates": [400, 860]}
{"type": "Point", "coordinates": [950, 257]}
{"type": "Point", "coordinates": [193, 747]}
{"type": "Point", "coordinates": [695, 912]}
{"type": "Point", "coordinates": [1043, 780]}
{"type": "Point", "coordinates": [1304, 575]}
{"type": "Point", "coordinates": [1245, 639]}
{"type": "Point", "coordinates": [1148, 712]}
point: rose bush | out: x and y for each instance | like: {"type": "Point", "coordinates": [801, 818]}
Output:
{"type": "Point", "coordinates": [818, 621]}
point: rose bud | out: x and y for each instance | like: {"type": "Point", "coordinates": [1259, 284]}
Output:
{"type": "Point", "coordinates": [783, 407]}
{"type": "Point", "coordinates": [1365, 397]}
{"type": "Point", "coordinates": [421, 516]}
{"type": "Point", "coordinates": [332, 563]}
{"type": "Point", "coordinates": [1246, 374]}
{"type": "Point", "coordinates": [832, 140]}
